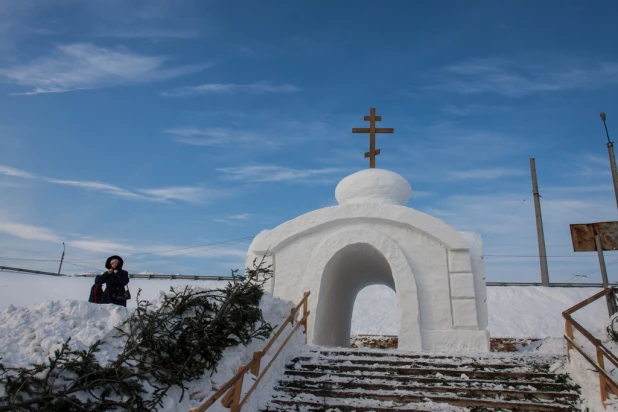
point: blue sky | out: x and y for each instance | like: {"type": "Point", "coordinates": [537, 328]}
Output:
{"type": "Point", "coordinates": [147, 127]}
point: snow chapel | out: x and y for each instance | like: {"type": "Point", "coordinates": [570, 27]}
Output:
{"type": "Point", "coordinates": [371, 237]}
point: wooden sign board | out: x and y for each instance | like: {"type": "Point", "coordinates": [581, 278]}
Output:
{"type": "Point", "coordinates": [583, 235]}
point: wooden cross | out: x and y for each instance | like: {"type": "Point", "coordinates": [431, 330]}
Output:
{"type": "Point", "coordinates": [372, 130]}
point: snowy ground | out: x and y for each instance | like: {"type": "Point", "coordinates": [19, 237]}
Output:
{"type": "Point", "coordinates": [30, 334]}
{"type": "Point", "coordinates": [514, 311]}
{"type": "Point", "coordinates": [38, 312]}
{"type": "Point", "coordinates": [529, 311]}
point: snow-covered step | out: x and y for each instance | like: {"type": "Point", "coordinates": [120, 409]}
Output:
{"type": "Point", "coordinates": [361, 380]}
{"type": "Point", "coordinates": [425, 371]}
{"type": "Point", "coordinates": [336, 403]}
{"type": "Point", "coordinates": [550, 385]}
{"type": "Point", "coordinates": [385, 392]}
{"type": "Point", "coordinates": [414, 363]}
{"type": "Point", "coordinates": [468, 389]}
{"type": "Point", "coordinates": [309, 403]}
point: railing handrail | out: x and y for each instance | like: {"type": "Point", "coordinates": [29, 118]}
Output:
{"type": "Point", "coordinates": [586, 302]}
{"type": "Point", "coordinates": [233, 387]}
{"type": "Point", "coordinates": [602, 352]}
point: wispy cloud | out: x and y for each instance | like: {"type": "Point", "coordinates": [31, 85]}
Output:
{"type": "Point", "coordinates": [188, 194]}
{"type": "Point", "coordinates": [105, 246]}
{"type": "Point", "coordinates": [28, 232]}
{"type": "Point", "coordinates": [443, 143]}
{"type": "Point", "coordinates": [83, 66]}
{"type": "Point", "coordinates": [515, 79]}
{"type": "Point", "coordinates": [101, 187]}
{"type": "Point", "coordinates": [150, 33]}
{"type": "Point", "coordinates": [589, 165]}
{"type": "Point", "coordinates": [101, 246]}
{"type": "Point", "coordinates": [242, 216]}
{"type": "Point", "coordinates": [228, 88]}
{"type": "Point", "coordinates": [218, 137]}
{"type": "Point", "coordinates": [233, 220]}
{"type": "Point", "coordinates": [507, 225]}
{"type": "Point", "coordinates": [271, 173]}
{"type": "Point", "coordinates": [11, 171]}
{"type": "Point", "coordinates": [473, 109]}
{"type": "Point", "coordinates": [485, 174]}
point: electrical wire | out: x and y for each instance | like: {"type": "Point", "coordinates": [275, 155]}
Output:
{"type": "Point", "coordinates": [81, 266]}
{"type": "Point", "coordinates": [29, 260]}
{"type": "Point", "coordinates": [511, 215]}
{"type": "Point", "coordinates": [231, 241]}
{"type": "Point", "coordinates": [572, 208]}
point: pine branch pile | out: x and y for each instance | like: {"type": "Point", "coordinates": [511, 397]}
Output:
{"type": "Point", "coordinates": [168, 344]}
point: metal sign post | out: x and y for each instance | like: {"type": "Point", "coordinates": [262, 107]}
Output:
{"type": "Point", "coordinates": [600, 236]}
{"type": "Point", "coordinates": [597, 240]}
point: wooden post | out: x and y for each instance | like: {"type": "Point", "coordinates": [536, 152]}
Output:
{"type": "Point", "coordinates": [597, 239]}
{"type": "Point", "coordinates": [568, 327]}
{"type": "Point", "coordinates": [237, 393]}
{"type": "Point", "coordinates": [257, 358]}
{"type": "Point", "coordinates": [62, 258]}
{"type": "Point", "coordinates": [610, 298]}
{"type": "Point", "coordinates": [612, 158]}
{"type": "Point", "coordinates": [232, 397]}
{"type": "Point", "coordinates": [602, 380]}
{"type": "Point", "coordinates": [539, 226]}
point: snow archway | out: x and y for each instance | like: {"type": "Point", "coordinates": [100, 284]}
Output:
{"type": "Point", "coordinates": [372, 237]}
{"type": "Point", "coordinates": [342, 265]}
{"type": "Point", "coordinates": [349, 271]}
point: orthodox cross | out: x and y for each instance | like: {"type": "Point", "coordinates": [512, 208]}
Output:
{"type": "Point", "coordinates": [372, 130]}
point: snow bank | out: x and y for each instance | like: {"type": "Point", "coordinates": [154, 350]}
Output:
{"type": "Point", "coordinates": [30, 334]}
{"type": "Point", "coordinates": [514, 311]}
{"type": "Point", "coordinates": [21, 289]}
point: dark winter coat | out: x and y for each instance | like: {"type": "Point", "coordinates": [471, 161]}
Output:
{"type": "Point", "coordinates": [114, 282]}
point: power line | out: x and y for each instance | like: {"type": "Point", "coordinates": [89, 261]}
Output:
{"type": "Point", "coordinates": [83, 267]}
{"type": "Point", "coordinates": [511, 215]}
{"type": "Point", "coordinates": [572, 208]}
{"type": "Point", "coordinates": [591, 271]}
{"type": "Point", "coordinates": [173, 250]}
{"type": "Point", "coordinates": [210, 248]}
{"type": "Point", "coordinates": [29, 260]}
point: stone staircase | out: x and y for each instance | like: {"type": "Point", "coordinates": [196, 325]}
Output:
{"type": "Point", "coordinates": [337, 379]}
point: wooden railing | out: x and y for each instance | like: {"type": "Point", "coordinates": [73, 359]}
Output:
{"type": "Point", "coordinates": [605, 381]}
{"type": "Point", "coordinates": [233, 387]}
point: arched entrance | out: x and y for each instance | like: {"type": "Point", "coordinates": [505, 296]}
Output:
{"type": "Point", "coordinates": [344, 263]}
{"type": "Point", "coordinates": [371, 327]}
{"type": "Point", "coordinates": [349, 271]}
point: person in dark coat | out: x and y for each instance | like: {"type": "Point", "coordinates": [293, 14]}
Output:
{"type": "Point", "coordinates": [115, 279]}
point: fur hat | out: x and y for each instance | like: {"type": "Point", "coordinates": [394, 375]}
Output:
{"type": "Point", "coordinates": [108, 263]}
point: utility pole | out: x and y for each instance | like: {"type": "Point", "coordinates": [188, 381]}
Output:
{"type": "Point", "coordinates": [539, 225]}
{"type": "Point", "coordinates": [62, 258]}
{"type": "Point", "coordinates": [612, 158]}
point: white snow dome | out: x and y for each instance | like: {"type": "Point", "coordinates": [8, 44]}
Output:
{"type": "Point", "coordinates": [377, 186]}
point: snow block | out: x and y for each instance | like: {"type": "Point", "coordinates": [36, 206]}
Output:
{"type": "Point", "coordinates": [463, 341]}
{"type": "Point", "coordinates": [462, 285]}
{"type": "Point", "coordinates": [464, 313]}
